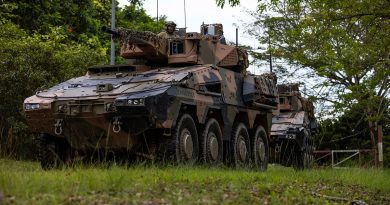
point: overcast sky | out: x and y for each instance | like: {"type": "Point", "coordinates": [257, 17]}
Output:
{"type": "Point", "coordinates": [206, 11]}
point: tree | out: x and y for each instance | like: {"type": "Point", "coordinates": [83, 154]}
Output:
{"type": "Point", "coordinates": [46, 42]}
{"type": "Point", "coordinates": [135, 17]}
{"type": "Point", "coordinates": [77, 17]}
{"type": "Point", "coordinates": [221, 3]}
{"type": "Point", "coordinates": [29, 63]}
{"type": "Point", "coordinates": [345, 42]}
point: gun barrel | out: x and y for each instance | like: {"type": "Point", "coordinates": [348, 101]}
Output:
{"type": "Point", "coordinates": [110, 31]}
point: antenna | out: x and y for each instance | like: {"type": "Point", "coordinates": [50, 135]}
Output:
{"type": "Point", "coordinates": [112, 49]}
{"type": "Point", "coordinates": [270, 52]}
{"type": "Point", "coordinates": [185, 15]}
{"type": "Point", "coordinates": [236, 37]}
{"type": "Point", "coordinates": [157, 11]}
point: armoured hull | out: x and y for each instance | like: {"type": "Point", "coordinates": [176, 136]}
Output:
{"type": "Point", "coordinates": [81, 110]}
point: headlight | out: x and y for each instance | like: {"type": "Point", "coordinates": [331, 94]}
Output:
{"type": "Point", "coordinates": [136, 101]}
{"type": "Point", "coordinates": [62, 108]}
{"type": "Point", "coordinates": [110, 107]}
{"type": "Point", "coordinates": [31, 106]}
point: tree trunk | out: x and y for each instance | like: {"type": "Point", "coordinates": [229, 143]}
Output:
{"type": "Point", "coordinates": [372, 133]}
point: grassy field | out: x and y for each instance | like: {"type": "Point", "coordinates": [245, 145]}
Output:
{"type": "Point", "coordinates": [26, 183]}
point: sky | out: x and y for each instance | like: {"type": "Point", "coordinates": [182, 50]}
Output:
{"type": "Point", "coordinates": [199, 11]}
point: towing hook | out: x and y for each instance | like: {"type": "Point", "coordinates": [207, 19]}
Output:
{"type": "Point", "coordinates": [58, 127]}
{"type": "Point", "coordinates": [277, 148]}
{"type": "Point", "coordinates": [116, 125]}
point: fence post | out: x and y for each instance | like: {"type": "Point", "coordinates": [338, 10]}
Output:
{"type": "Point", "coordinates": [380, 146]}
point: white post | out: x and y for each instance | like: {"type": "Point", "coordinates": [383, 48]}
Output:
{"type": "Point", "coordinates": [185, 15]}
{"type": "Point", "coordinates": [380, 146]}
{"type": "Point", "coordinates": [332, 159]}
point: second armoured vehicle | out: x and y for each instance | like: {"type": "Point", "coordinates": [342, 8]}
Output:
{"type": "Point", "coordinates": [193, 101]}
{"type": "Point", "coordinates": [293, 129]}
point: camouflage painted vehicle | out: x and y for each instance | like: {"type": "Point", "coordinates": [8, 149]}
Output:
{"type": "Point", "coordinates": [74, 118]}
{"type": "Point", "coordinates": [293, 129]}
{"type": "Point", "coordinates": [195, 102]}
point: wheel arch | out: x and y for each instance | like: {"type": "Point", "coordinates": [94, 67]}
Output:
{"type": "Point", "coordinates": [242, 116]}
{"type": "Point", "coordinates": [265, 120]}
{"type": "Point", "coordinates": [186, 107]}
{"type": "Point", "coordinates": [216, 113]}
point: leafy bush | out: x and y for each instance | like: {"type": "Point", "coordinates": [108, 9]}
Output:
{"type": "Point", "coordinates": [32, 63]}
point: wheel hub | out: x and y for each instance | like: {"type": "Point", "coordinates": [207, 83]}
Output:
{"type": "Point", "coordinates": [213, 145]}
{"type": "Point", "coordinates": [242, 148]}
{"type": "Point", "coordinates": [261, 150]}
{"type": "Point", "coordinates": [187, 142]}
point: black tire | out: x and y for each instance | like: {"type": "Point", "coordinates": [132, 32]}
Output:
{"type": "Point", "coordinates": [304, 157]}
{"type": "Point", "coordinates": [241, 147]}
{"type": "Point", "coordinates": [182, 147]}
{"type": "Point", "coordinates": [49, 152]}
{"type": "Point", "coordinates": [260, 149]}
{"type": "Point", "coordinates": [211, 143]}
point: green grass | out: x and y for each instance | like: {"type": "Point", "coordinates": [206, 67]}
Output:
{"type": "Point", "coordinates": [26, 183]}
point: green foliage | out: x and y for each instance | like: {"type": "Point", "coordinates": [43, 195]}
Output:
{"type": "Point", "coordinates": [25, 182]}
{"type": "Point", "coordinates": [78, 17]}
{"type": "Point", "coordinates": [343, 133]}
{"type": "Point", "coordinates": [135, 17]}
{"type": "Point", "coordinates": [221, 3]}
{"type": "Point", "coordinates": [32, 63]}
{"type": "Point", "coordinates": [386, 151]}
{"type": "Point", "coordinates": [345, 43]}
{"type": "Point", "coordinates": [47, 42]}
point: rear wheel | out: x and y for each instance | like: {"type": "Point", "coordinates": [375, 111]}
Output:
{"type": "Point", "coordinates": [241, 148]}
{"type": "Point", "coordinates": [260, 149]}
{"type": "Point", "coordinates": [211, 143]}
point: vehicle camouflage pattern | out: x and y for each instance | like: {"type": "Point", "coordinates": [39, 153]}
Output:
{"type": "Point", "coordinates": [293, 129]}
{"type": "Point", "coordinates": [182, 100]}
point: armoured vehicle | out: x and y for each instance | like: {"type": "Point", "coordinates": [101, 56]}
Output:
{"type": "Point", "coordinates": [185, 99]}
{"type": "Point", "coordinates": [293, 129]}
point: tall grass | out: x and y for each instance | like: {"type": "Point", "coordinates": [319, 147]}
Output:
{"type": "Point", "coordinates": [16, 142]}
{"type": "Point", "coordinates": [25, 182]}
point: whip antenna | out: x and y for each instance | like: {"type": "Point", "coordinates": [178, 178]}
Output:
{"type": "Point", "coordinates": [112, 49]}
{"type": "Point", "coordinates": [185, 15]}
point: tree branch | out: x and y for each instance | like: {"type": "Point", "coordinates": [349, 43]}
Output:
{"type": "Point", "coordinates": [383, 15]}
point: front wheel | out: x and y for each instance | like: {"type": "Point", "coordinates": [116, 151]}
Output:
{"type": "Point", "coordinates": [260, 149]}
{"type": "Point", "coordinates": [183, 146]}
{"type": "Point", "coordinates": [304, 157]}
{"type": "Point", "coordinates": [52, 152]}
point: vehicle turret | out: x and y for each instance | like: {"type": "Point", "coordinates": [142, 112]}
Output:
{"type": "Point", "coordinates": [291, 100]}
{"type": "Point", "coordinates": [191, 49]}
